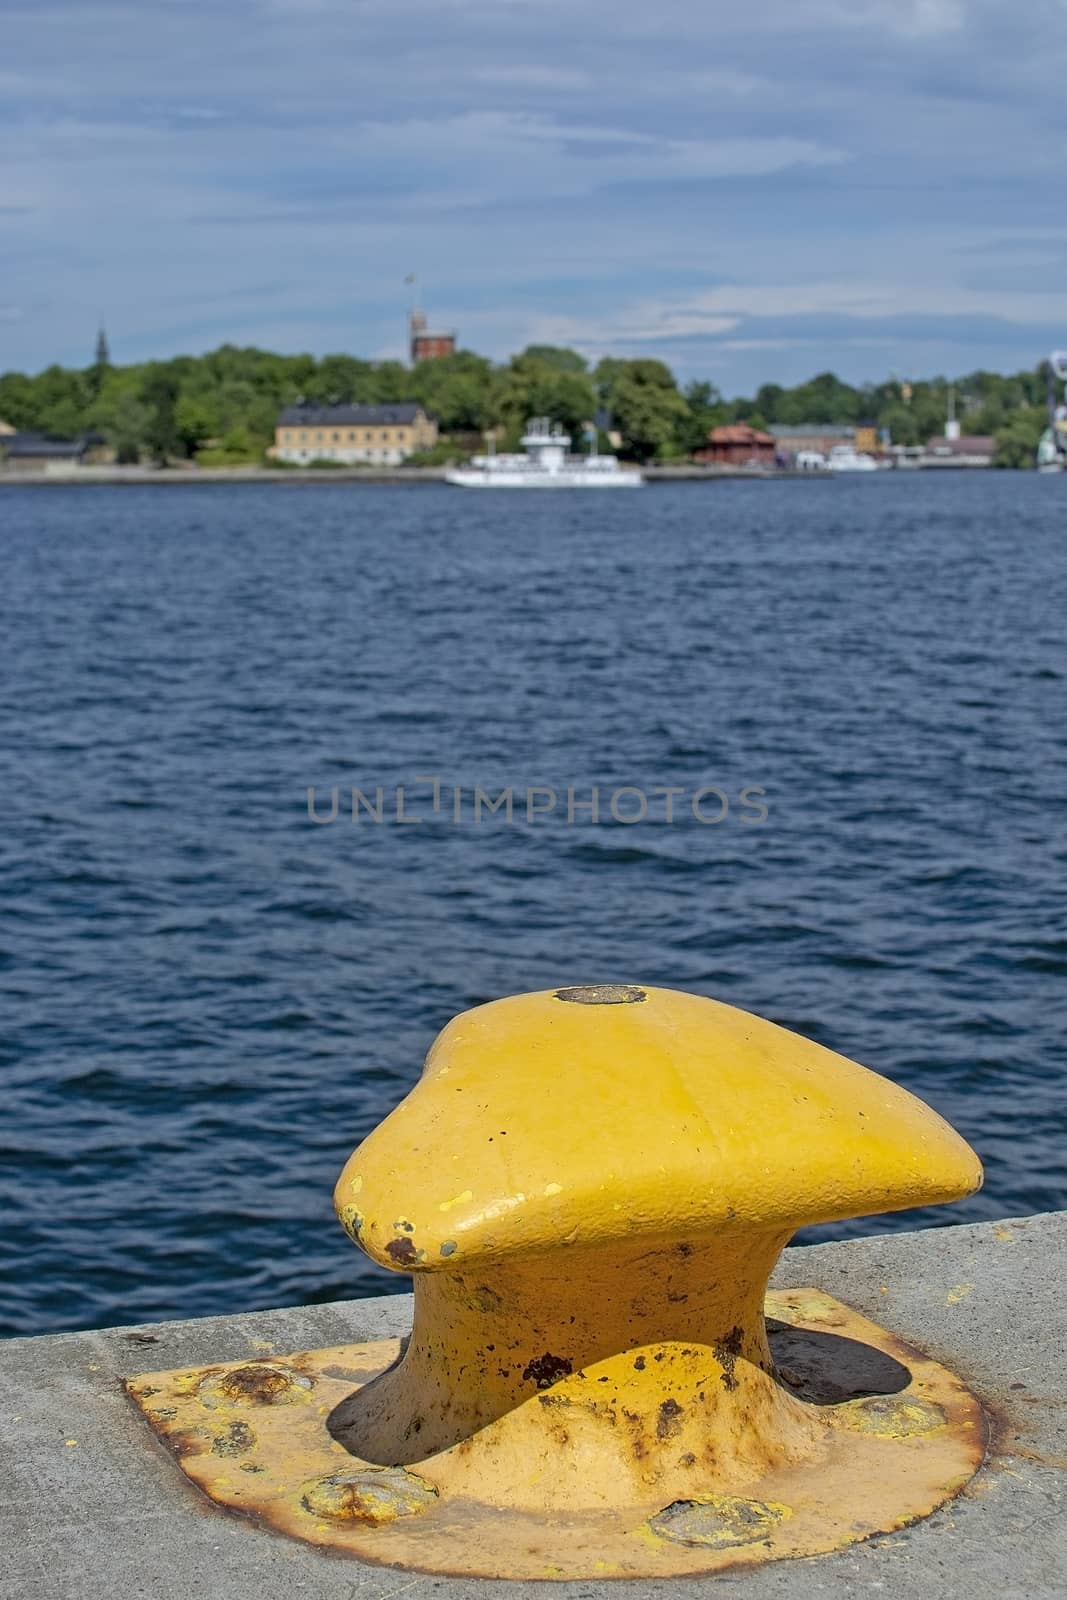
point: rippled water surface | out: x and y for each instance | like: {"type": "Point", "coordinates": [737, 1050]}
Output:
{"type": "Point", "coordinates": [208, 999]}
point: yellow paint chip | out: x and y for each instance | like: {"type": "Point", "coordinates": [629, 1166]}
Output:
{"type": "Point", "coordinates": [1004, 1234]}
{"type": "Point", "coordinates": [960, 1292]}
{"type": "Point", "coordinates": [70, 1441]}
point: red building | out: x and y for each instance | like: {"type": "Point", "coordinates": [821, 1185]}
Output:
{"type": "Point", "coordinates": [738, 445]}
{"type": "Point", "coordinates": [427, 346]}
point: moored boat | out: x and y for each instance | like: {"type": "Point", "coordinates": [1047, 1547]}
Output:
{"type": "Point", "coordinates": [546, 464]}
{"type": "Point", "coordinates": [846, 458]}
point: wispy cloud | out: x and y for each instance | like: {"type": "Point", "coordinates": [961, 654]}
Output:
{"type": "Point", "coordinates": [531, 76]}
{"type": "Point", "coordinates": [918, 19]}
{"type": "Point", "coordinates": [728, 318]}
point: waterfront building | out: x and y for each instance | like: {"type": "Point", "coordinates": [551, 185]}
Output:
{"type": "Point", "coordinates": [42, 452]}
{"type": "Point", "coordinates": [353, 435]}
{"type": "Point", "coordinates": [960, 450]}
{"type": "Point", "coordinates": [738, 445]}
{"type": "Point", "coordinates": [820, 437]}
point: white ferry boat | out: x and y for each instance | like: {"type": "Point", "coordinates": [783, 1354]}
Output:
{"type": "Point", "coordinates": [547, 464]}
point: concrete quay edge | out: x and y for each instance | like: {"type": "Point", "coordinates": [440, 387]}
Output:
{"type": "Point", "coordinates": [92, 1506]}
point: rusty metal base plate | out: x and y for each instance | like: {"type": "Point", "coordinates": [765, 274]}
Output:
{"type": "Point", "coordinates": [902, 1436]}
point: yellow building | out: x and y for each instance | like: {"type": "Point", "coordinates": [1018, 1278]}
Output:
{"type": "Point", "coordinates": [867, 438]}
{"type": "Point", "coordinates": [350, 435]}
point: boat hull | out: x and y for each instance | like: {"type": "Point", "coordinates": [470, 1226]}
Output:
{"type": "Point", "coordinates": [544, 480]}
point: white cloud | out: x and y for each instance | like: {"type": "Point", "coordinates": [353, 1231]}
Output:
{"type": "Point", "coordinates": [532, 76]}
{"type": "Point", "coordinates": [723, 310]}
{"type": "Point", "coordinates": [911, 18]}
{"type": "Point", "coordinates": [713, 81]}
{"type": "Point", "coordinates": [199, 113]}
{"type": "Point", "coordinates": [511, 155]}
{"type": "Point", "coordinates": [721, 21]}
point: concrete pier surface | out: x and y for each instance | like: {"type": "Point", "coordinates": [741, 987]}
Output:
{"type": "Point", "coordinates": [92, 1506]}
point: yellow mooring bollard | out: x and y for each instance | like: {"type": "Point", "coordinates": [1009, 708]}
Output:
{"type": "Point", "coordinates": [591, 1187]}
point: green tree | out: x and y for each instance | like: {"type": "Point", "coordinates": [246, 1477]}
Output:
{"type": "Point", "coordinates": [1018, 439]}
{"type": "Point", "coordinates": [63, 400]}
{"type": "Point", "coordinates": [768, 400]}
{"type": "Point", "coordinates": [901, 422]}
{"type": "Point", "coordinates": [606, 376]}
{"type": "Point", "coordinates": [197, 418]}
{"type": "Point", "coordinates": [823, 398]}
{"type": "Point", "coordinates": [159, 392]}
{"type": "Point", "coordinates": [238, 446]}
{"type": "Point", "coordinates": [343, 380]}
{"type": "Point", "coordinates": [127, 427]}
{"type": "Point", "coordinates": [554, 355]}
{"type": "Point", "coordinates": [392, 383]}
{"type": "Point", "coordinates": [531, 387]}
{"type": "Point", "coordinates": [707, 410]}
{"type": "Point", "coordinates": [650, 414]}
{"type": "Point", "coordinates": [457, 390]}
{"type": "Point", "coordinates": [19, 406]}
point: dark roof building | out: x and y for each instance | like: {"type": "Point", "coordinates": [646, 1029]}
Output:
{"type": "Point", "coordinates": [305, 416]}
{"type": "Point", "coordinates": [39, 452]}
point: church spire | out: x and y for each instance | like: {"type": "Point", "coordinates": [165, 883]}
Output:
{"type": "Point", "coordinates": [103, 354]}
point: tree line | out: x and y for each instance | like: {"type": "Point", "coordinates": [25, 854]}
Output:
{"type": "Point", "coordinates": [222, 407]}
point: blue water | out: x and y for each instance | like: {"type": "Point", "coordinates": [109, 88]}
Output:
{"type": "Point", "coordinates": [208, 999]}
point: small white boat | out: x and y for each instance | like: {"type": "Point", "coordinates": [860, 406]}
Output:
{"type": "Point", "coordinates": [1050, 454]}
{"type": "Point", "coordinates": [547, 464]}
{"type": "Point", "coordinates": [846, 458]}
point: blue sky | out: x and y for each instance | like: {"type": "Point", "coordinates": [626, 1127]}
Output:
{"type": "Point", "coordinates": [753, 193]}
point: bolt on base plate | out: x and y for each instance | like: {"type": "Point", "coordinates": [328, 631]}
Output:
{"type": "Point", "coordinates": [900, 1435]}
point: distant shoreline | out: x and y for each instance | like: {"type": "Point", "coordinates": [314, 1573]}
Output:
{"type": "Point", "coordinates": [406, 477]}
